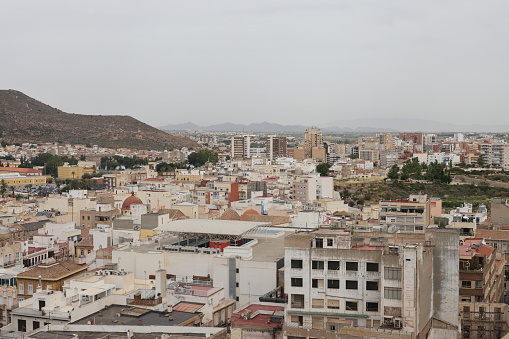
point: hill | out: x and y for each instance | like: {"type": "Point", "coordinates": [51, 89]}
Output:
{"type": "Point", "coordinates": [24, 119]}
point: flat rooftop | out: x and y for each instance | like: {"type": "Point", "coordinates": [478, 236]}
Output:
{"type": "Point", "coordinates": [206, 226]}
{"type": "Point", "coordinates": [128, 315]}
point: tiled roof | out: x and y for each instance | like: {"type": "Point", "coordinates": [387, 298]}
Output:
{"type": "Point", "coordinates": [188, 307]}
{"type": "Point", "coordinates": [273, 219]}
{"type": "Point", "coordinates": [230, 214]}
{"type": "Point", "coordinates": [55, 270]}
{"type": "Point", "coordinates": [175, 214]}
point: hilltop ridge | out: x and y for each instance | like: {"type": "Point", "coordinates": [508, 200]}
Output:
{"type": "Point", "coordinates": [24, 119]}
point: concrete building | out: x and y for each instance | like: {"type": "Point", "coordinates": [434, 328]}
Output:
{"type": "Point", "coordinates": [482, 270]}
{"type": "Point", "coordinates": [499, 212]}
{"type": "Point", "coordinates": [412, 214]}
{"type": "Point", "coordinates": [313, 143]}
{"type": "Point", "coordinates": [275, 147]}
{"type": "Point", "coordinates": [241, 147]}
{"type": "Point", "coordinates": [387, 287]}
{"type": "Point", "coordinates": [73, 172]}
{"type": "Point", "coordinates": [306, 189]}
{"type": "Point", "coordinates": [496, 155]}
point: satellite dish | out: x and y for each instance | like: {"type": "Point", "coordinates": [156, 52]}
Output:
{"type": "Point", "coordinates": [392, 229]}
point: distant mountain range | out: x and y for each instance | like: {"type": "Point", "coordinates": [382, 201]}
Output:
{"type": "Point", "coordinates": [346, 126]}
{"type": "Point", "coordinates": [24, 119]}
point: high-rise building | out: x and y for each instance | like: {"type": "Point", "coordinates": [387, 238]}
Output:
{"type": "Point", "coordinates": [275, 147]}
{"type": "Point", "coordinates": [313, 141]}
{"type": "Point", "coordinates": [241, 147]}
{"type": "Point", "coordinates": [415, 139]}
{"type": "Point", "coordinates": [496, 155]}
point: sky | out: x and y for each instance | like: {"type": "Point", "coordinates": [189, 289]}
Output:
{"type": "Point", "coordinates": [290, 62]}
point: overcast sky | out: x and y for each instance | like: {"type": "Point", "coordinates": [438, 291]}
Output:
{"type": "Point", "coordinates": [291, 62]}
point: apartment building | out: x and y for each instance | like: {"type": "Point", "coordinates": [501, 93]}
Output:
{"type": "Point", "coordinates": [416, 140]}
{"type": "Point", "coordinates": [275, 147]}
{"type": "Point", "coordinates": [412, 214]}
{"type": "Point", "coordinates": [496, 155]}
{"type": "Point", "coordinates": [482, 270]}
{"type": "Point", "coordinates": [241, 147]}
{"type": "Point", "coordinates": [392, 288]}
{"type": "Point", "coordinates": [309, 188]}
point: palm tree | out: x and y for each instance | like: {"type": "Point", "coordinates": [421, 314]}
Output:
{"type": "Point", "coordinates": [13, 189]}
{"type": "Point", "coordinates": [28, 187]}
{"type": "Point", "coordinates": [3, 187]}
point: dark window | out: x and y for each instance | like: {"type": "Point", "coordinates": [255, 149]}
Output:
{"type": "Point", "coordinates": [372, 267]}
{"type": "Point", "coordinates": [237, 270]}
{"type": "Point", "coordinates": [351, 306]}
{"type": "Point", "coordinates": [330, 242]}
{"type": "Point", "coordinates": [333, 283]}
{"type": "Point", "coordinates": [296, 282]}
{"type": "Point", "coordinates": [36, 325]}
{"type": "Point", "coordinates": [372, 285]}
{"type": "Point", "coordinates": [352, 266]}
{"type": "Point", "coordinates": [372, 307]}
{"type": "Point", "coordinates": [296, 263]}
{"type": "Point", "coordinates": [319, 243]}
{"type": "Point", "coordinates": [237, 298]}
{"type": "Point", "coordinates": [22, 325]}
{"type": "Point", "coordinates": [352, 284]}
{"type": "Point", "coordinates": [333, 265]}
{"type": "Point", "coordinates": [236, 284]}
{"type": "Point", "coordinates": [317, 265]}
{"type": "Point", "coordinates": [314, 283]}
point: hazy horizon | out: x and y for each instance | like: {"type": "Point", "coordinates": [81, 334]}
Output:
{"type": "Point", "coordinates": [286, 62]}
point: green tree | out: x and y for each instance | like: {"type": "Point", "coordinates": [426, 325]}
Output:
{"type": "Point", "coordinates": [198, 159]}
{"type": "Point", "coordinates": [3, 187]}
{"type": "Point", "coordinates": [480, 161]}
{"type": "Point", "coordinates": [393, 172]}
{"type": "Point", "coordinates": [323, 169]}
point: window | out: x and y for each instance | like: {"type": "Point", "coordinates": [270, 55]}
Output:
{"type": "Point", "coordinates": [352, 284]}
{"type": "Point", "coordinates": [392, 273]}
{"type": "Point", "coordinates": [317, 323]}
{"type": "Point", "coordinates": [236, 284]}
{"type": "Point", "coordinates": [372, 267]}
{"type": "Point", "coordinates": [330, 242]}
{"type": "Point", "coordinates": [297, 300]}
{"type": "Point", "coordinates": [478, 284]}
{"type": "Point", "coordinates": [333, 265]}
{"type": "Point", "coordinates": [317, 265]}
{"type": "Point", "coordinates": [296, 282]}
{"type": "Point", "coordinates": [371, 307]}
{"type": "Point", "coordinates": [392, 293]}
{"type": "Point", "coordinates": [30, 288]}
{"type": "Point", "coordinates": [352, 266]}
{"type": "Point", "coordinates": [317, 283]}
{"type": "Point", "coordinates": [21, 288]}
{"type": "Point", "coordinates": [351, 306]}
{"type": "Point", "coordinates": [299, 319]}
{"type": "Point", "coordinates": [296, 263]}
{"type": "Point", "coordinates": [317, 303]}
{"type": "Point", "coordinates": [466, 284]}
{"type": "Point", "coordinates": [237, 270]}
{"type": "Point", "coordinates": [35, 325]}
{"type": "Point", "coordinates": [372, 285]}
{"type": "Point", "coordinates": [333, 303]}
{"type": "Point", "coordinates": [333, 283]}
{"type": "Point", "coordinates": [319, 243]}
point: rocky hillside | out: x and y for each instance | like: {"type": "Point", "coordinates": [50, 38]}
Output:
{"type": "Point", "coordinates": [24, 119]}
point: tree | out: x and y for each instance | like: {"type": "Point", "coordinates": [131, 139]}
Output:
{"type": "Point", "coordinates": [480, 161]}
{"type": "Point", "coordinates": [28, 187]}
{"type": "Point", "coordinates": [323, 169]}
{"type": "Point", "coordinates": [393, 172]}
{"type": "Point", "coordinates": [198, 159]}
{"type": "Point", "coordinates": [3, 187]}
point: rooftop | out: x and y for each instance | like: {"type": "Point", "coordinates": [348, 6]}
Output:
{"type": "Point", "coordinates": [125, 315]}
{"type": "Point", "coordinates": [206, 226]}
